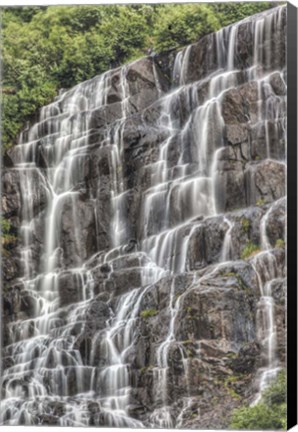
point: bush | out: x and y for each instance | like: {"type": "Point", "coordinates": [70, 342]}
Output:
{"type": "Point", "coordinates": [276, 393]}
{"type": "Point", "coordinates": [245, 223]}
{"type": "Point", "coordinates": [260, 202]}
{"type": "Point", "coordinates": [181, 24]}
{"type": "Point", "coordinates": [249, 250]}
{"type": "Point", "coordinates": [6, 237]}
{"type": "Point", "coordinates": [46, 48]}
{"type": "Point", "coordinates": [280, 243]}
{"type": "Point", "coordinates": [231, 12]}
{"type": "Point", "coordinates": [258, 417]}
{"type": "Point", "coordinates": [147, 313]}
{"type": "Point", "coordinates": [5, 226]}
{"type": "Point", "coordinates": [270, 413]}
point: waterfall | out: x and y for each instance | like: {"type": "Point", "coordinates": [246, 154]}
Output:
{"type": "Point", "coordinates": [109, 225]}
{"type": "Point", "coordinates": [268, 272]}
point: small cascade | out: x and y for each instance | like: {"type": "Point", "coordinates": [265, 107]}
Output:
{"type": "Point", "coordinates": [268, 272]}
{"type": "Point", "coordinates": [123, 182]}
{"type": "Point", "coordinates": [160, 373]}
{"type": "Point", "coordinates": [114, 378]}
{"type": "Point", "coordinates": [227, 248]}
{"type": "Point", "coordinates": [187, 186]}
{"type": "Point", "coordinates": [44, 347]}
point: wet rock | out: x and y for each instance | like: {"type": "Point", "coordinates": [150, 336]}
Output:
{"type": "Point", "coordinates": [278, 290]}
{"type": "Point", "coordinates": [70, 288]}
{"type": "Point", "coordinates": [265, 182]}
{"type": "Point", "coordinates": [197, 67]}
{"type": "Point", "coordinates": [165, 62]}
{"type": "Point", "coordinates": [11, 195]}
{"type": "Point", "coordinates": [276, 222]}
{"type": "Point", "coordinates": [105, 115]}
{"type": "Point", "coordinates": [11, 264]}
{"type": "Point", "coordinates": [142, 84]}
{"type": "Point", "coordinates": [131, 246]}
{"type": "Point", "coordinates": [277, 83]}
{"type": "Point", "coordinates": [12, 301]}
{"type": "Point", "coordinates": [236, 134]}
{"type": "Point", "coordinates": [240, 105]}
{"type": "Point", "coordinates": [97, 314]}
{"type": "Point", "coordinates": [78, 244]}
{"type": "Point", "coordinates": [246, 360]}
{"type": "Point", "coordinates": [123, 281]}
{"type": "Point", "coordinates": [7, 161]}
{"type": "Point", "coordinates": [230, 187]}
{"type": "Point", "coordinates": [266, 140]}
{"type": "Point", "coordinates": [105, 268]}
{"type": "Point", "coordinates": [208, 312]}
{"type": "Point", "coordinates": [134, 259]}
{"type": "Point", "coordinates": [206, 243]}
{"type": "Point", "coordinates": [28, 304]}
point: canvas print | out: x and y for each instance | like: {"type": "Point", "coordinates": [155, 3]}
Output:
{"type": "Point", "coordinates": [143, 216]}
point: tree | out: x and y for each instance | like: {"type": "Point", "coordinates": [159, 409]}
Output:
{"type": "Point", "coordinates": [180, 24]}
{"type": "Point", "coordinates": [46, 48]}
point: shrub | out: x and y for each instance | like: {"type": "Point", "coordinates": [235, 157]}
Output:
{"type": "Point", "coordinates": [147, 313]}
{"type": "Point", "coordinates": [260, 202]}
{"type": "Point", "coordinates": [46, 48]}
{"type": "Point", "coordinates": [245, 223]}
{"type": "Point", "coordinates": [270, 413]}
{"type": "Point", "coordinates": [5, 226]}
{"type": "Point", "coordinates": [276, 393]}
{"type": "Point", "coordinates": [180, 24]}
{"type": "Point", "coordinates": [6, 236]}
{"type": "Point", "coordinates": [280, 243]}
{"type": "Point", "coordinates": [258, 417]}
{"type": "Point", "coordinates": [249, 250]}
{"type": "Point", "coordinates": [229, 274]}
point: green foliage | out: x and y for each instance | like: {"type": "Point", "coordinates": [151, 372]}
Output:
{"type": "Point", "coordinates": [147, 313]}
{"type": "Point", "coordinates": [180, 24]}
{"type": "Point", "coordinates": [230, 385]}
{"type": "Point", "coordinates": [46, 48]}
{"type": "Point", "coordinates": [276, 393]}
{"type": "Point", "coordinates": [6, 237]}
{"type": "Point", "coordinates": [280, 243]}
{"type": "Point", "coordinates": [26, 13]}
{"type": "Point", "coordinates": [188, 342]}
{"type": "Point", "coordinates": [146, 369]}
{"type": "Point", "coordinates": [270, 413]}
{"type": "Point", "coordinates": [230, 274]}
{"type": "Point", "coordinates": [231, 355]}
{"type": "Point", "coordinates": [5, 226]}
{"type": "Point", "coordinates": [249, 249]}
{"type": "Point", "coordinates": [260, 202]}
{"type": "Point", "coordinates": [229, 13]}
{"type": "Point", "coordinates": [245, 224]}
{"type": "Point", "coordinates": [258, 417]}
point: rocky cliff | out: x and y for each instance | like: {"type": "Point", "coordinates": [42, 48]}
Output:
{"type": "Point", "coordinates": [144, 275]}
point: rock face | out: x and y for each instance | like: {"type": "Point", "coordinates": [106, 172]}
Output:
{"type": "Point", "coordinates": [144, 275]}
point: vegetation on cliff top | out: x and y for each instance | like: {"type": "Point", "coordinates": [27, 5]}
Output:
{"type": "Point", "coordinates": [46, 48]}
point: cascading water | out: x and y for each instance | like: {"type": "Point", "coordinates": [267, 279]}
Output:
{"type": "Point", "coordinates": [268, 272]}
{"type": "Point", "coordinates": [74, 162]}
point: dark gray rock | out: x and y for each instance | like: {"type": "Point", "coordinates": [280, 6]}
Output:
{"type": "Point", "coordinates": [276, 223]}
{"type": "Point", "coordinates": [11, 195]}
{"type": "Point", "coordinates": [264, 181]}
{"type": "Point", "coordinates": [70, 288]}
